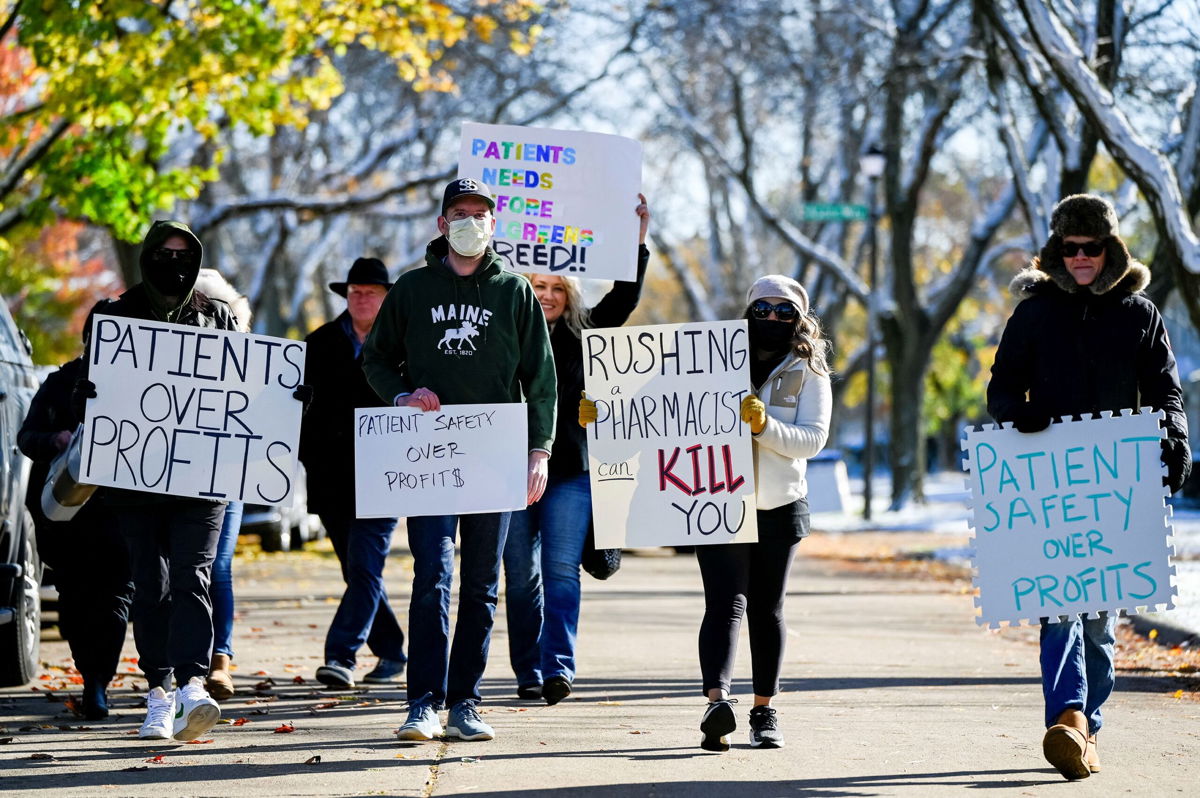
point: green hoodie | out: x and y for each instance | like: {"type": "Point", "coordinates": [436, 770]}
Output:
{"type": "Point", "coordinates": [475, 339]}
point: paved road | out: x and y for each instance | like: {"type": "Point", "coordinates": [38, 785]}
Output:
{"type": "Point", "coordinates": [890, 690]}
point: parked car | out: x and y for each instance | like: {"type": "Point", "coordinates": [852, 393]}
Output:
{"type": "Point", "coordinates": [20, 568]}
{"type": "Point", "coordinates": [284, 528]}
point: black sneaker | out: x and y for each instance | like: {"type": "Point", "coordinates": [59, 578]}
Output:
{"type": "Point", "coordinates": [764, 730]}
{"type": "Point", "coordinates": [555, 689]}
{"type": "Point", "coordinates": [529, 692]}
{"type": "Point", "coordinates": [716, 726]}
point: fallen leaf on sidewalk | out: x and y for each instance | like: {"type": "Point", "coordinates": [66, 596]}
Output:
{"type": "Point", "coordinates": [135, 768]}
{"type": "Point", "coordinates": [132, 731]}
{"type": "Point", "coordinates": [298, 680]}
{"type": "Point", "coordinates": [157, 760]}
{"type": "Point", "coordinates": [286, 728]}
{"type": "Point", "coordinates": [239, 722]}
{"type": "Point", "coordinates": [635, 731]}
{"type": "Point", "coordinates": [198, 742]}
{"type": "Point", "coordinates": [325, 705]}
{"type": "Point", "coordinates": [313, 760]}
{"type": "Point", "coordinates": [1177, 694]}
{"type": "Point", "coordinates": [42, 757]}
{"type": "Point", "coordinates": [609, 703]}
{"type": "Point", "coordinates": [401, 756]}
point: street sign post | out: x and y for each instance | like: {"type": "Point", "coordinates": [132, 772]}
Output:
{"type": "Point", "coordinates": [833, 212]}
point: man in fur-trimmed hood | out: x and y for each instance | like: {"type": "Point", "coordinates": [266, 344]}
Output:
{"type": "Point", "coordinates": [1084, 340]}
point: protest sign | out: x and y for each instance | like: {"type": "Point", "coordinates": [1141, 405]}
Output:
{"type": "Point", "coordinates": [671, 460]}
{"type": "Point", "coordinates": [458, 460]}
{"type": "Point", "coordinates": [192, 411]}
{"type": "Point", "coordinates": [564, 199]}
{"type": "Point", "coordinates": [1070, 520]}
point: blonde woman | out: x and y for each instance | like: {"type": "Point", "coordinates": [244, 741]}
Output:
{"type": "Point", "coordinates": [545, 542]}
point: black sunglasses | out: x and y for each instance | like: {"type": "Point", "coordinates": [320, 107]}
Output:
{"type": "Point", "coordinates": [164, 255]}
{"type": "Point", "coordinates": [1090, 248]}
{"type": "Point", "coordinates": [784, 311]}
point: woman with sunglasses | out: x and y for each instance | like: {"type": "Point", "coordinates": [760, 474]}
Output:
{"type": "Point", "coordinates": [788, 413]}
{"type": "Point", "coordinates": [1084, 340]}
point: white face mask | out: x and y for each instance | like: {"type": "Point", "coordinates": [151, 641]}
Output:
{"type": "Point", "coordinates": [469, 237]}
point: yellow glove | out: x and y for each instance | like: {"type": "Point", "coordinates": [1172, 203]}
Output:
{"type": "Point", "coordinates": [587, 410]}
{"type": "Point", "coordinates": [754, 413]}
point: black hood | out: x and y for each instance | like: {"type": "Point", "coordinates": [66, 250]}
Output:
{"type": "Point", "coordinates": [153, 273]}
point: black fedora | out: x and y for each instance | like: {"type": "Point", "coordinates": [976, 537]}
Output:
{"type": "Point", "coordinates": [365, 271]}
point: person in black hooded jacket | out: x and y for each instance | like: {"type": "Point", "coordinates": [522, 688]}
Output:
{"type": "Point", "coordinates": [172, 540]}
{"type": "Point", "coordinates": [1084, 340]}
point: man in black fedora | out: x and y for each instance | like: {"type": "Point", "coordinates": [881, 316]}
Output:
{"type": "Point", "coordinates": [333, 366]}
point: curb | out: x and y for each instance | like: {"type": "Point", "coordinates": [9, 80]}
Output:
{"type": "Point", "coordinates": [1169, 632]}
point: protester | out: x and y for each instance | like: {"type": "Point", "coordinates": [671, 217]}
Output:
{"type": "Point", "coordinates": [545, 541]}
{"type": "Point", "coordinates": [508, 355]}
{"type": "Point", "coordinates": [1084, 339]}
{"type": "Point", "coordinates": [788, 413]}
{"type": "Point", "coordinates": [172, 540]}
{"type": "Point", "coordinates": [87, 553]}
{"type": "Point", "coordinates": [220, 681]}
{"type": "Point", "coordinates": [333, 367]}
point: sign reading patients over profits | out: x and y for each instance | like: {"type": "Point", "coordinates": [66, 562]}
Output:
{"type": "Point", "coordinates": [192, 411]}
{"type": "Point", "coordinates": [564, 199]}
{"type": "Point", "coordinates": [1069, 520]}
{"type": "Point", "coordinates": [671, 460]}
{"type": "Point", "coordinates": [457, 460]}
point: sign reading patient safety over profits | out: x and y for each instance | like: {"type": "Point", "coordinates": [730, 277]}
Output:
{"type": "Point", "coordinates": [671, 460]}
{"type": "Point", "coordinates": [1070, 520]}
{"type": "Point", "coordinates": [454, 461]}
{"type": "Point", "coordinates": [564, 199]}
{"type": "Point", "coordinates": [192, 411]}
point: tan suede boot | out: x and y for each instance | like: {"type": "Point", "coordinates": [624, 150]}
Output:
{"type": "Point", "coordinates": [1066, 743]}
{"type": "Point", "coordinates": [219, 683]}
{"type": "Point", "coordinates": [1093, 755]}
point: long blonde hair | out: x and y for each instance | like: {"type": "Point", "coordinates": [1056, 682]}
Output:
{"type": "Point", "coordinates": [576, 314]}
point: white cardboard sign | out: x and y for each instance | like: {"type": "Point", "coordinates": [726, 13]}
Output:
{"type": "Point", "coordinates": [458, 460]}
{"type": "Point", "coordinates": [191, 411]}
{"type": "Point", "coordinates": [564, 199]}
{"type": "Point", "coordinates": [671, 460]}
{"type": "Point", "coordinates": [1069, 520]}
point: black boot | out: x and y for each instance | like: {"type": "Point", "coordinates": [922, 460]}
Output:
{"type": "Point", "coordinates": [95, 702]}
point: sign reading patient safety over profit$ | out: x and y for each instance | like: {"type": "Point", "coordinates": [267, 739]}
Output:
{"type": "Point", "coordinates": [564, 199]}
{"type": "Point", "coordinates": [1070, 520]}
{"type": "Point", "coordinates": [191, 411]}
{"type": "Point", "coordinates": [454, 461]}
{"type": "Point", "coordinates": [671, 460]}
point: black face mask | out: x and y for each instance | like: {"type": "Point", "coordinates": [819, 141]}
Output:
{"type": "Point", "coordinates": [170, 279]}
{"type": "Point", "coordinates": [768, 335]}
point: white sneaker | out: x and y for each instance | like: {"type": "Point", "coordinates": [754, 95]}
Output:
{"type": "Point", "coordinates": [160, 709]}
{"type": "Point", "coordinates": [195, 710]}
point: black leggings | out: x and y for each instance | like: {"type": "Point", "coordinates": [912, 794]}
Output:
{"type": "Point", "coordinates": [750, 579]}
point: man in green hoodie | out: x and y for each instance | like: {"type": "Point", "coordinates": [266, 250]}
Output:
{"type": "Point", "coordinates": [172, 540]}
{"type": "Point", "coordinates": [461, 330]}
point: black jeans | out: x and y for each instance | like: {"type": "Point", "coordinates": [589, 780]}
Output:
{"type": "Point", "coordinates": [748, 579]}
{"type": "Point", "coordinates": [91, 573]}
{"type": "Point", "coordinates": [172, 545]}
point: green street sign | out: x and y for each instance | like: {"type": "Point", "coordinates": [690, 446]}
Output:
{"type": "Point", "coordinates": [833, 212]}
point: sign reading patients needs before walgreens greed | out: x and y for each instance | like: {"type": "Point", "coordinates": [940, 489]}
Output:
{"type": "Point", "coordinates": [564, 199]}
{"type": "Point", "coordinates": [671, 460]}
{"type": "Point", "coordinates": [1069, 520]}
{"type": "Point", "coordinates": [192, 412]}
{"type": "Point", "coordinates": [457, 460]}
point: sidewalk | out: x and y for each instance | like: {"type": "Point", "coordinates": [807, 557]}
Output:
{"type": "Point", "coordinates": [889, 689]}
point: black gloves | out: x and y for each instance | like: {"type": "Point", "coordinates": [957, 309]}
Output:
{"type": "Point", "coordinates": [1028, 417]}
{"type": "Point", "coordinates": [84, 389]}
{"type": "Point", "coordinates": [303, 394]}
{"type": "Point", "coordinates": [1177, 457]}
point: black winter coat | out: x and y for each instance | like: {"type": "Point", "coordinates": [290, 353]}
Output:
{"type": "Point", "coordinates": [1079, 352]}
{"type": "Point", "coordinates": [327, 432]}
{"type": "Point", "coordinates": [569, 456]}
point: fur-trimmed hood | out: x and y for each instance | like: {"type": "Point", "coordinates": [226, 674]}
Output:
{"type": "Point", "coordinates": [1121, 273]}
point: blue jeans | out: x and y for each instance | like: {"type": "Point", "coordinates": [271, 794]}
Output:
{"type": "Point", "coordinates": [1077, 668]}
{"type": "Point", "coordinates": [541, 580]}
{"type": "Point", "coordinates": [221, 591]}
{"type": "Point", "coordinates": [451, 674]}
{"type": "Point", "coordinates": [366, 543]}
